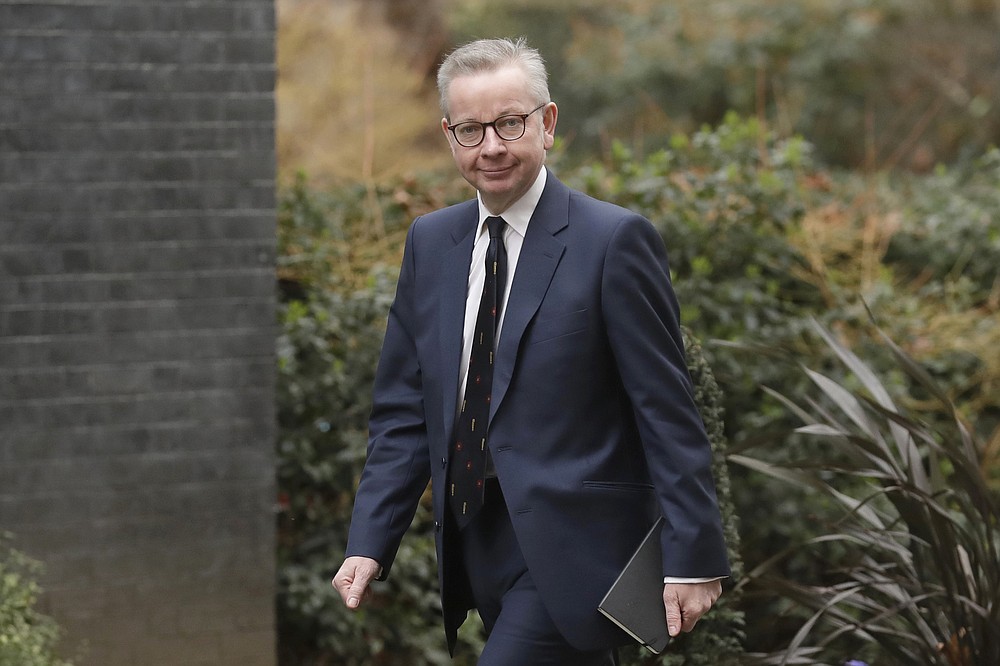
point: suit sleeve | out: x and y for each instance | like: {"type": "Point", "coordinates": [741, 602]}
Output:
{"type": "Point", "coordinates": [397, 468]}
{"type": "Point", "coordinates": [642, 320]}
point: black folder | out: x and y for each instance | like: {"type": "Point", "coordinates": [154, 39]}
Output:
{"type": "Point", "coordinates": [635, 600]}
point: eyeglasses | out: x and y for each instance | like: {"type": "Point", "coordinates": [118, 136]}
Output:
{"type": "Point", "coordinates": [509, 128]}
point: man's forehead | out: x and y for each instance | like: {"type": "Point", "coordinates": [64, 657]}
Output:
{"type": "Point", "coordinates": [495, 91]}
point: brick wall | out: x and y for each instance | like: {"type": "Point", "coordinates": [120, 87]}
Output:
{"type": "Point", "coordinates": [137, 322]}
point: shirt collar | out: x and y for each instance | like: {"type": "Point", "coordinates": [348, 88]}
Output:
{"type": "Point", "coordinates": [519, 213]}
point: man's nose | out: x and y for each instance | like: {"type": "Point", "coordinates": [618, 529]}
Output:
{"type": "Point", "coordinates": [492, 143]}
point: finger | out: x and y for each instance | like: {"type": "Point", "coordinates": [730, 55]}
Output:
{"type": "Point", "coordinates": [692, 610]}
{"type": "Point", "coordinates": [342, 582]}
{"type": "Point", "coordinates": [689, 620]}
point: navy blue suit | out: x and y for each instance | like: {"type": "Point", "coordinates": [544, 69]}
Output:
{"type": "Point", "coordinates": [593, 428]}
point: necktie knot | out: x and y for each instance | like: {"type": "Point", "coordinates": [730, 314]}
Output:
{"type": "Point", "coordinates": [495, 226]}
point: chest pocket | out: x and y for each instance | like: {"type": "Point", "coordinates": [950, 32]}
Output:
{"type": "Point", "coordinates": [552, 328]}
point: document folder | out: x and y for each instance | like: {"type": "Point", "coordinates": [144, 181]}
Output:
{"type": "Point", "coordinates": [635, 600]}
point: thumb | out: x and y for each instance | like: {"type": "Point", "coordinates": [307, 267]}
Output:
{"type": "Point", "coordinates": [673, 611]}
{"type": "Point", "coordinates": [362, 576]}
{"type": "Point", "coordinates": [353, 578]}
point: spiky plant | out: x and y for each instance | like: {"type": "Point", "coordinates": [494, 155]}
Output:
{"type": "Point", "coordinates": [917, 579]}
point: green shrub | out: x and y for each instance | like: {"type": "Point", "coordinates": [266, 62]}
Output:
{"type": "Point", "coordinates": [27, 637]}
{"type": "Point", "coordinates": [950, 225]}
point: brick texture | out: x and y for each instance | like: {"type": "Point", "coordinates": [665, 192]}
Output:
{"type": "Point", "coordinates": [137, 247]}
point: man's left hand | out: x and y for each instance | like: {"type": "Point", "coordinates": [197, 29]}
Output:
{"type": "Point", "coordinates": [685, 603]}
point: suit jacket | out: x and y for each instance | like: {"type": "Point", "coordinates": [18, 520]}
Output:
{"type": "Point", "coordinates": [593, 427]}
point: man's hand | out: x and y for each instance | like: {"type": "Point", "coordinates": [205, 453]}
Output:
{"type": "Point", "coordinates": [353, 578]}
{"type": "Point", "coordinates": [685, 603]}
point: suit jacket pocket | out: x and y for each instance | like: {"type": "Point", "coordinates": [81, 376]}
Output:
{"type": "Point", "coordinates": [549, 328]}
{"type": "Point", "coordinates": [619, 486]}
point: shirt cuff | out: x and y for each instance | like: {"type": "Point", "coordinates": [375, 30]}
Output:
{"type": "Point", "coordinates": [685, 581]}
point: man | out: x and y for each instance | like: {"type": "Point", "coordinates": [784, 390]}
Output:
{"type": "Point", "coordinates": [590, 431]}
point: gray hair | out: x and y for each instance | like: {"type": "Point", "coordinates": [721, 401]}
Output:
{"type": "Point", "coordinates": [490, 55]}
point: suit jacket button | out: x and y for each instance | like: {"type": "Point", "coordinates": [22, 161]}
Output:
{"type": "Point", "coordinates": [444, 463]}
{"type": "Point", "coordinates": [437, 526]}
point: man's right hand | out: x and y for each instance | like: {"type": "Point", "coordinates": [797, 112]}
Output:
{"type": "Point", "coordinates": [353, 578]}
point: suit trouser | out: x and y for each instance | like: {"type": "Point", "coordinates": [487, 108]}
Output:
{"type": "Point", "coordinates": [519, 629]}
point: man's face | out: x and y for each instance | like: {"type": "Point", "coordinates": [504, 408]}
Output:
{"type": "Point", "coordinates": [502, 171]}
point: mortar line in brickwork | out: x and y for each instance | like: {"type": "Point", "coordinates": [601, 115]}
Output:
{"type": "Point", "coordinates": [147, 276]}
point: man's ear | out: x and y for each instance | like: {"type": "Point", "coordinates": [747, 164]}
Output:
{"type": "Point", "coordinates": [447, 134]}
{"type": "Point", "coordinates": [549, 117]}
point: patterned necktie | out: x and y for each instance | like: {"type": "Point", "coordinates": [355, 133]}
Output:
{"type": "Point", "coordinates": [469, 452]}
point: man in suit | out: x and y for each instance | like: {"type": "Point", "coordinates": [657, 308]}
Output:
{"type": "Point", "coordinates": [591, 430]}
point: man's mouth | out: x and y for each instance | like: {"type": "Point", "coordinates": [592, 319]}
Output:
{"type": "Point", "coordinates": [492, 171]}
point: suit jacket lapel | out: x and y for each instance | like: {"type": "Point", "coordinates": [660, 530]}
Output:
{"type": "Point", "coordinates": [453, 289]}
{"type": "Point", "coordinates": [540, 255]}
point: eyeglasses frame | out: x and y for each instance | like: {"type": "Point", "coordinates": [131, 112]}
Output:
{"type": "Point", "coordinates": [493, 124]}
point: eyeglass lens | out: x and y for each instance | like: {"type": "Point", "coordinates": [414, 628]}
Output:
{"type": "Point", "coordinates": [508, 128]}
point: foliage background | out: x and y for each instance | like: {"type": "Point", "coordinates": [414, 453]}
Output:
{"type": "Point", "coordinates": [28, 637]}
{"type": "Point", "coordinates": [826, 161]}
{"type": "Point", "coordinates": [873, 84]}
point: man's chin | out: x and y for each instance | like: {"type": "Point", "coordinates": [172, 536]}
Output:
{"type": "Point", "coordinates": [495, 186]}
